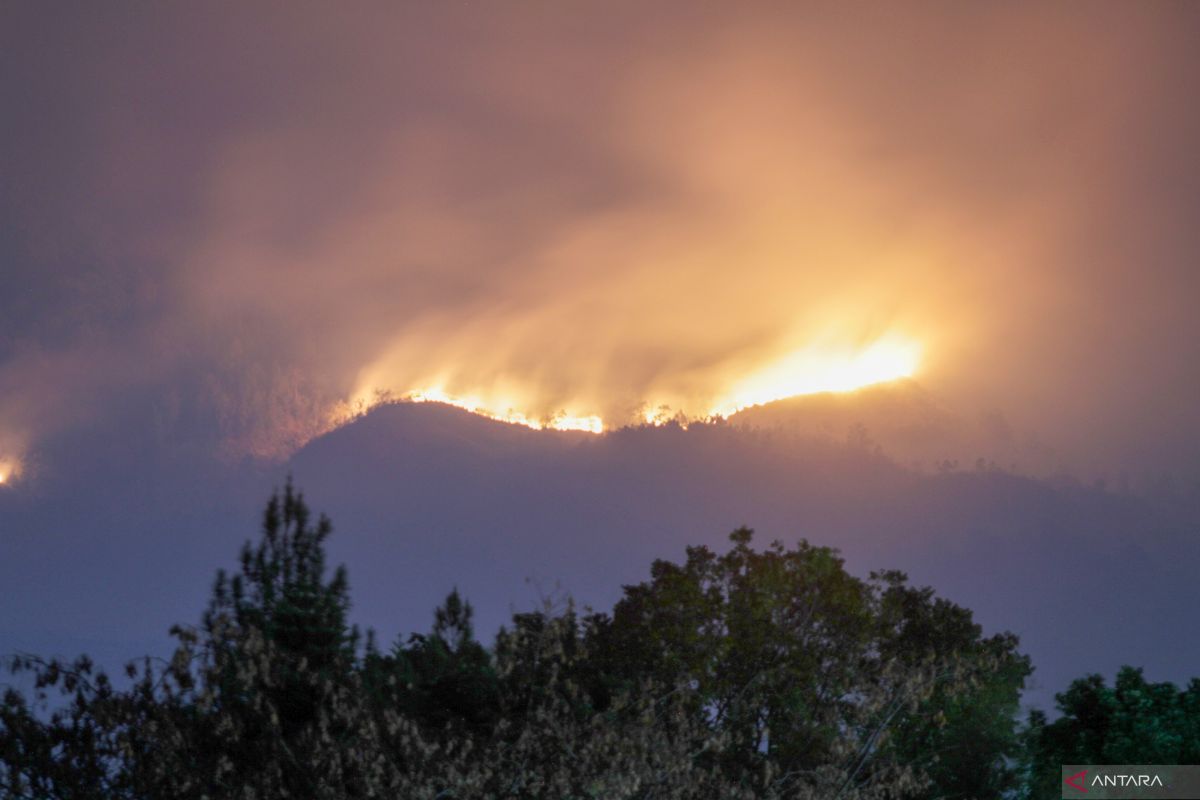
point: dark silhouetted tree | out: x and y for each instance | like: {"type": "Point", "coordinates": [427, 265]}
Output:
{"type": "Point", "coordinates": [808, 668]}
{"type": "Point", "coordinates": [750, 674]}
{"type": "Point", "coordinates": [1131, 722]}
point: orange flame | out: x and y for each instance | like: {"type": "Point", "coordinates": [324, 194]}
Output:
{"type": "Point", "coordinates": [815, 371]}
{"type": "Point", "coordinates": [559, 422]}
{"type": "Point", "coordinates": [810, 370]}
{"type": "Point", "coordinates": [10, 470]}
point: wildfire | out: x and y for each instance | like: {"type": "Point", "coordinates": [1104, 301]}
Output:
{"type": "Point", "coordinates": [505, 413]}
{"type": "Point", "coordinates": [814, 371]}
{"type": "Point", "coordinates": [497, 409]}
{"type": "Point", "coordinates": [810, 370]}
{"type": "Point", "coordinates": [8, 471]}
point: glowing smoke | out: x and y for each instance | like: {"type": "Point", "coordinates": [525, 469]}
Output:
{"type": "Point", "coordinates": [580, 218]}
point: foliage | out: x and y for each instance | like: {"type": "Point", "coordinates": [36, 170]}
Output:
{"type": "Point", "coordinates": [752, 674]}
{"type": "Point", "coordinates": [1131, 722]}
{"type": "Point", "coordinates": [809, 669]}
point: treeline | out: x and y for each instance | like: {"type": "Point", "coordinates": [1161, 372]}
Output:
{"type": "Point", "coordinates": [755, 673]}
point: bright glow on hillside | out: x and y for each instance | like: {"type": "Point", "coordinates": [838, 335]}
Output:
{"type": "Point", "coordinates": [9, 470]}
{"type": "Point", "coordinates": [813, 371]}
{"type": "Point", "coordinates": [505, 412]}
{"type": "Point", "coordinates": [591, 424]}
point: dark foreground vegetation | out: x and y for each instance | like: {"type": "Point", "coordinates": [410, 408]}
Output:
{"type": "Point", "coordinates": [766, 673]}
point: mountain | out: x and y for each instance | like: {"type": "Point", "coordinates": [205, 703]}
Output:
{"type": "Point", "coordinates": [436, 497]}
{"type": "Point", "coordinates": [908, 424]}
{"type": "Point", "coordinates": [425, 498]}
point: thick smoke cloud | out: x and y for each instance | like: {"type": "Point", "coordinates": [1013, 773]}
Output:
{"type": "Point", "coordinates": [232, 220]}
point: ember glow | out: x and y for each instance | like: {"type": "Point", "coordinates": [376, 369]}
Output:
{"type": "Point", "coordinates": [809, 370]}
{"type": "Point", "coordinates": [496, 407]}
{"type": "Point", "coordinates": [813, 370]}
{"type": "Point", "coordinates": [506, 413]}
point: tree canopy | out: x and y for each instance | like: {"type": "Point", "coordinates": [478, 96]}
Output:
{"type": "Point", "coordinates": [1131, 722]}
{"type": "Point", "coordinates": [748, 673]}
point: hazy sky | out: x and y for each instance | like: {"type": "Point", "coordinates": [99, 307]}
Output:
{"type": "Point", "coordinates": [224, 224]}
{"type": "Point", "coordinates": [223, 220]}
